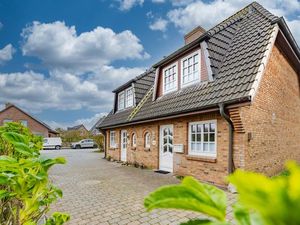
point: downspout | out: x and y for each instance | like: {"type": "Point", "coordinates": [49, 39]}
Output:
{"type": "Point", "coordinates": [230, 147]}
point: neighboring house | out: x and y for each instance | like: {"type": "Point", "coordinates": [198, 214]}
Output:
{"type": "Point", "coordinates": [94, 130]}
{"type": "Point", "coordinates": [229, 98]}
{"type": "Point", "coordinates": [12, 113]}
{"type": "Point", "coordinates": [80, 128]}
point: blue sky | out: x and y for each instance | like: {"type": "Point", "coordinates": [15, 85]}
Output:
{"type": "Point", "coordinates": [60, 59]}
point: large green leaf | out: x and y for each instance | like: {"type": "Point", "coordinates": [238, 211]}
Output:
{"type": "Point", "coordinates": [189, 195]}
{"type": "Point", "coordinates": [23, 149]}
{"type": "Point", "coordinates": [58, 218]}
{"type": "Point", "coordinates": [4, 194]}
{"type": "Point", "coordinates": [13, 137]}
{"type": "Point", "coordinates": [276, 200]}
{"type": "Point", "coordinates": [204, 222]}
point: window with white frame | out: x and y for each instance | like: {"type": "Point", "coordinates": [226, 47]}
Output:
{"type": "Point", "coordinates": [133, 140]}
{"type": "Point", "coordinates": [202, 138]}
{"type": "Point", "coordinates": [190, 69]}
{"type": "Point", "coordinates": [170, 78]}
{"type": "Point", "coordinates": [7, 121]}
{"type": "Point", "coordinates": [147, 140]}
{"type": "Point", "coordinates": [129, 97]}
{"type": "Point", "coordinates": [125, 98]}
{"type": "Point", "coordinates": [121, 99]}
{"type": "Point", "coordinates": [24, 123]}
{"type": "Point", "coordinates": [112, 139]}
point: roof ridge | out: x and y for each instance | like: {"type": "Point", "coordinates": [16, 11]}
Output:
{"type": "Point", "coordinates": [259, 9]}
{"type": "Point", "coordinates": [241, 12]}
{"type": "Point", "coordinates": [263, 11]}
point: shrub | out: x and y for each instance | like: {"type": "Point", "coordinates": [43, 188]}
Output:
{"type": "Point", "coordinates": [25, 190]}
{"type": "Point", "coordinates": [261, 200]}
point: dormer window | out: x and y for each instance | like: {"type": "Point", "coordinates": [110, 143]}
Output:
{"type": "Point", "coordinates": [129, 97]}
{"type": "Point", "coordinates": [170, 78]}
{"type": "Point", "coordinates": [121, 98]}
{"type": "Point", "coordinates": [190, 69]}
{"type": "Point", "coordinates": [125, 99]}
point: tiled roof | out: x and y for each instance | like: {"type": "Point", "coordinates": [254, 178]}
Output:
{"type": "Point", "coordinates": [236, 47]}
{"type": "Point", "coordinates": [9, 105]}
{"type": "Point", "coordinates": [77, 127]}
{"type": "Point", "coordinates": [142, 84]}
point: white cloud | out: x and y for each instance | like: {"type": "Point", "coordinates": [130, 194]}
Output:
{"type": "Point", "coordinates": [6, 53]}
{"type": "Point", "coordinates": [159, 24]}
{"type": "Point", "coordinates": [294, 25]}
{"type": "Point", "coordinates": [87, 122]}
{"type": "Point", "coordinates": [60, 47]}
{"type": "Point", "coordinates": [181, 2]}
{"type": "Point", "coordinates": [208, 14]}
{"type": "Point", "coordinates": [36, 92]}
{"type": "Point", "coordinates": [126, 5]}
{"type": "Point", "coordinates": [158, 1]}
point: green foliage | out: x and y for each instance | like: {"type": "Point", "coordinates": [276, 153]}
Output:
{"type": "Point", "coordinates": [25, 190]}
{"type": "Point", "coordinates": [69, 136]}
{"type": "Point", "coordinates": [57, 219]}
{"type": "Point", "coordinates": [99, 140]}
{"type": "Point", "coordinates": [190, 195]}
{"type": "Point", "coordinates": [14, 138]}
{"type": "Point", "coordinates": [261, 200]}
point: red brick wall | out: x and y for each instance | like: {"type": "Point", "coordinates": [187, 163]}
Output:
{"type": "Point", "coordinates": [205, 169]}
{"type": "Point", "coordinates": [16, 115]}
{"type": "Point", "coordinates": [273, 120]}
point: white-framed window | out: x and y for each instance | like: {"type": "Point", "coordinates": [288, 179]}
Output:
{"type": "Point", "coordinates": [190, 69]}
{"type": "Point", "coordinates": [170, 78]}
{"type": "Point", "coordinates": [112, 139]}
{"type": "Point", "coordinates": [7, 121]}
{"type": "Point", "coordinates": [24, 123]}
{"type": "Point", "coordinates": [147, 140]}
{"type": "Point", "coordinates": [203, 138]}
{"type": "Point", "coordinates": [125, 98]}
{"type": "Point", "coordinates": [133, 140]}
{"type": "Point", "coordinates": [129, 97]}
{"type": "Point", "coordinates": [121, 99]}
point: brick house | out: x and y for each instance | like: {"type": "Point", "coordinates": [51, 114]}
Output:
{"type": "Point", "coordinates": [229, 98]}
{"type": "Point", "coordinates": [12, 113]}
{"type": "Point", "coordinates": [80, 129]}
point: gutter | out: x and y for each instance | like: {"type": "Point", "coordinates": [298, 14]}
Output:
{"type": "Point", "coordinates": [211, 108]}
{"type": "Point", "coordinates": [283, 26]}
{"type": "Point", "coordinates": [230, 147]}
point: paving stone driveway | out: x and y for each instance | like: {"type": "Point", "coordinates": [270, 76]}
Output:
{"type": "Point", "coordinates": [100, 192]}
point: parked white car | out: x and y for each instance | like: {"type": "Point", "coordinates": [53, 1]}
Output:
{"type": "Point", "coordinates": [52, 143]}
{"type": "Point", "coordinates": [85, 143]}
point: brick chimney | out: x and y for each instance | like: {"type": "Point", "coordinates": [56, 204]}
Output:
{"type": "Point", "coordinates": [194, 34]}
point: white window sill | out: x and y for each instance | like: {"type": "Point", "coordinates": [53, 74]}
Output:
{"type": "Point", "coordinates": [204, 158]}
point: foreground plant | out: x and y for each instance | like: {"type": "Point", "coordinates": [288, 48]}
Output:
{"type": "Point", "coordinates": [25, 190]}
{"type": "Point", "coordinates": [261, 200]}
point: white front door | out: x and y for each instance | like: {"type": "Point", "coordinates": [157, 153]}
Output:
{"type": "Point", "coordinates": [166, 148]}
{"type": "Point", "coordinates": [124, 145]}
